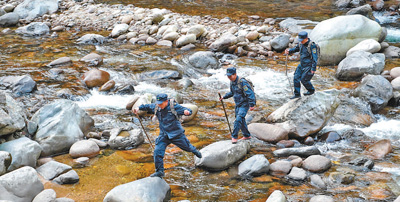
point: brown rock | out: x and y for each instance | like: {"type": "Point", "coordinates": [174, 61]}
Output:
{"type": "Point", "coordinates": [95, 78]}
{"type": "Point", "coordinates": [107, 86]}
{"type": "Point", "coordinates": [380, 149]}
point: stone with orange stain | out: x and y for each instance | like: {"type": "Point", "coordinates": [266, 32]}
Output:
{"type": "Point", "coordinates": [375, 176]}
{"type": "Point", "coordinates": [201, 143]}
{"type": "Point", "coordinates": [136, 156]}
{"type": "Point", "coordinates": [345, 188]}
{"type": "Point", "coordinates": [380, 149]}
{"type": "Point", "coordinates": [379, 191]}
{"type": "Point", "coordinates": [192, 138]}
{"type": "Point", "coordinates": [208, 124]}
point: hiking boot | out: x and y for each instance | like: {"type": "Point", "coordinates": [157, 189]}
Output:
{"type": "Point", "coordinates": [294, 97]}
{"type": "Point", "coordinates": [308, 93]}
{"type": "Point", "coordinates": [245, 138]}
{"type": "Point", "coordinates": [234, 140]}
{"type": "Point", "coordinates": [158, 174]}
{"type": "Point", "coordinates": [197, 153]}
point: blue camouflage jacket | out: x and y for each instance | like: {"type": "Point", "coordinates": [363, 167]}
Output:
{"type": "Point", "coordinates": [168, 123]}
{"type": "Point", "coordinates": [243, 97]}
{"type": "Point", "coordinates": [307, 59]}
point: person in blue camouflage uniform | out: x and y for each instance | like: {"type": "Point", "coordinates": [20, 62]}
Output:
{"type": "Point", "coordinates": [171, 130]}
{"type": "Point", "coordinates": [308, 64]}
{"type": "Point", "coordinates": [244, 98]}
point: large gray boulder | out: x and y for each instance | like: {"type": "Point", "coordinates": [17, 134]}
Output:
{"type": "Point", "coordinates": [24, 152]}
{"type": "Point", "coordinates": [9, 19]}
{"type": "Point", "coordinates": [255, 165]}
{"type": "Point", "coordinates": [21, 185]}
{"type": "Point", "coordinates": [268, 132]}
{"type": "Point", "coordinates": [280, 42]}
{"type": "Point", "coordinates": [353, 67]}
{"type": "Point", "coordinates": [30, 9]}
{"type": "Point", "coordinates": [12, 115]}
{"type": "Point", "coordinates": [47, 195]}
{"type": "Point", "coordinates": [337, 35]}
{"type": "Point", "coordinates": [220, 155]}
{"type": "Point", "coordinates": [60, 124]}
{"type": "Point", "coordinates": [354, 112]}
{"type": "Point", "coordinates": [151, 189]}
{"type": "Point", "coordinates": [376, 90]}
{"type": "Point", "coordinates": [223, 42]}
{"type": "Point", "coordinates": [18, 84]}
{"type": "Point", "coordinates": [52, 169]}
{"type": "Point", "coordinates": [307, 115]}
{"type": "Point", "coordinates": [204, 60]}
{"type": "Point", "coordinates": [298, 151]}
{"type": "Point", "coordinates": [34, 29]}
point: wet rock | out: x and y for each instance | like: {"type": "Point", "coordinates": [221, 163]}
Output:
{"type": "Point", "coordinates": [99, 143]}
{"type": "Point", "coordinates": [71, 177]}
{"type": "Point", "coordinates": [185, 39]}
{"type": "Point", "coordinates": [95, 78]}
{"type": "Point", "coordinates": [378, 5]}
{"type": "Point", "coordinates": [335, 36]}
{"type": "Point", "coordinates": [5, 161]}
{"type": "Point", "coordinates": [107, 86]}
{"type": "Point", "coordinates": [194, 109]}
{"type": "Point", "coordinates": [280, 42]}
{"type": "Point", "coordinates": [321, 198]}
{"type": "Point", "coordinates": [131, 102]}
{"type": "Point", "coordinates": [299, 151]}
{"type": "Point", "coordinates": [368, 45]}
{"type": "Point", "coordinates": [58, 28]}
{"type": "Point", "coordinates": [276, 196]}
{"type": "Point", "coordinates": [297, 174]}
{"type": "Point", "coordinates": [220, 155]}
{"type": "Point", "coordinates": [84, 148]}
{"type": "Point", "coordinates": [395, 101]}
{"type": "Point", "coordinates": [20, 185]}
{"type": "Point", "coordinates": [188, 47]}
{"type": "Point", "coordinates": [63, 61]}
{"type": "Point", "coordinates": [353, 111]}
{"type": "Point", "coordinates": [144, 99]}
{"type": "Point", "coordinates": [31, 9]}
{"type": "Point", "coordinates": [12, 117]}
{"type": "Point", "coordinates": [284, 143]}
{"type": "Point", "coordinates": [280, 168]}
{"type": "Point", "coordinates": [308, 115]}
{"type": "Point", "coordinates": [52, 169]}
{"type": "Point", "coordinates": [309, 141]}
{"type": "Point", "coordinates": [268, 132]}
{"type": "Point", "coordinates": [396, 84]}
{"type": "Point", "coordinates": [47, 195]}
{"type": "Point", "coordinates": [53, 119]}
{"type": "Point", "coordinates": [317, 163]}
{"type": "Point", "coordinates": [160, 74]}
{"type": "Point", "coordinates": [33, 29]}
{"type": "Point", "coordinates": [342, 3]}
{"type": "Point", "coordinates": [126, 90]}
{"type": "Point", "coordinates": [81, 162]}
{"type": "Point", "coordinates": [330, 137]}
{"type": "Point", "coordinates": [18, 84]}
{"type": "Point", "coordinates": [353, 67]}
{"type": "Point", "coordinates": [185, 83]}
{"type": "Point", "coordinates": [24, 152]}
{"type": "Point", "coordinates": [363, 161]}
{"type": "Point", "coordinates": [204, 60]}
{"type": "Point", "coordinates": [119, 29]}
{"type": "Point", "coordinates": [145, 189]}
{"type": "Point", "coordinates": [125, 139]}
{"type": "Point", "coordinates": [93, 59]}
{"type": "Point", "coordinates": [222, 43]}
{"type": "Point", "coordinates": [93, 39]}
{"type": "Point", "coordinates": [296, 161]}
{"type": "Point", "coordinates": [392, 52]}
{"type": "Point", "coordinates": [341, 178]}
{"type": "Point", "coordinates": [376, 90]}
{"type": "Point", "coordinates": [317, 181]}
{"type": "Point", "coordinates": [380, 149]}
{"type": "Point", "coordinates": [365, 10]}
{"type": "Point", "coordinates": [254, 166]}
{"type": "Point", "coordinates": [395, 72]}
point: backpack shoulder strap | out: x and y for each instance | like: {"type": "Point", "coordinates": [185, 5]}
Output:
{"type": "Point", "coordinates": [171, 106]}
{"type": "Point", "coordinates": [155, 110]}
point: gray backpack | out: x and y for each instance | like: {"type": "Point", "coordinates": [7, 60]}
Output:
{"type": "Point", "coordinates": [171, 105]}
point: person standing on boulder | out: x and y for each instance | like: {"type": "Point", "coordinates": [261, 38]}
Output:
{"type": "Point", "coordinates": [171, 131]}
{"type": "Point", "coordinates": [244, 97]}
{"type": "Point", "coordinates": [308, 64]}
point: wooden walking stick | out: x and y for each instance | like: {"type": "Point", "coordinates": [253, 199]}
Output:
{"type": "Point", "coordinates": [290, 83]}
{"type": "Point", "coordinates": [226, 115]}
{"type": "Point", "coordinates": [140, 121]}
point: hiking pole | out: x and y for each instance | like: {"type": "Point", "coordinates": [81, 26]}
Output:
{"type": "Point", "coordinates": [290, 83]}
{"type": "Point", "coordinates": [140, 121]}
{"type": "Point", "coordinates": [226, 115]}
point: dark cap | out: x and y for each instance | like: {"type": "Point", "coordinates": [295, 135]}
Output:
{"type": "Point", "coordinates": [161, 98]}
{"type": "Point", "coordinates": [230, 71]}
{"type": "Point", "coordinates": [302, 35]}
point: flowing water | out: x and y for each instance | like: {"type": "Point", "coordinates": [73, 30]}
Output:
{"type": "Point", "coordinates": [21, 55]}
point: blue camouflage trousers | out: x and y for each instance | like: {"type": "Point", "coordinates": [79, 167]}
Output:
{"type": "Point", "coordinates": [240, 122]}
{"type": "Point", "coordinates": [303, 75]}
